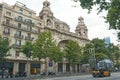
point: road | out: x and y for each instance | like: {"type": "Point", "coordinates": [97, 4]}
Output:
{"type": "Point", "coordinates": [114, 76]}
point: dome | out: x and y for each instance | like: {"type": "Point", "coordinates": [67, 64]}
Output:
{"type": "Point", "coordinates": [46, 3]}
{"type": "Point", "coordinates": [80, 18]}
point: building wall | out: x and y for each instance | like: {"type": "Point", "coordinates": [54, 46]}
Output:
{"type": "Point", "coordinates": [19, 24]}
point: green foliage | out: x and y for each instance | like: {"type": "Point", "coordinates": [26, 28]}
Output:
{"type": "Point", "coordinates": [45, 46]}
{"type": "Point", "coordinates": [4, 47]}
{"type": "Point", "coordinates": [56, 55]}
{"type": "Point", "coordinates": [73, 52]}
{"type": "Point", "coordinates": [99, 45]}
{"type": "Point", "coordinates": [100, 49]}
{"type": "Point", "coordinates": [111, 6]}
{"type": "Point", "coordinates": [86, 54]}
{"type": "Point", "coordinates": [113, 16]}
{"type": "Point", "coordinates": [27, 48]}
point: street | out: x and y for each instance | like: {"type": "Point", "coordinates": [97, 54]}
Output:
{"type": "Point", "coordinates": [114, 76]}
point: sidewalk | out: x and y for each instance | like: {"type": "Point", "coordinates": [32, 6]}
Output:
{"type": "Point", "coordinates": [31, 77]}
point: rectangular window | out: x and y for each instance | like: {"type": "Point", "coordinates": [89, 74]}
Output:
{"type": "Point", "coordinates": [18, 42]}
{"type": "Point", "coordinates": [8, 13]}
{"type": "Point", "coordinates": [0, 7]}
{"type": "Point", "coordinates": [29, 35]}
{"type": "Point", "coordinates": [29, 28]}
{"type": "Point", "coordinates": [7, 21]}
{"type": "Point", "coordinates": [30, 14]}
{"type": "Point", "coordinates": [18, 33]}
{"type": "Point", "coordinates": [19, 25]}
{"type": "Point", "coordinates": [21, 10]}
{"type": "Point", "coordinates": [6, 30]}
{"type": "Point", "coordinates": [17, 54]}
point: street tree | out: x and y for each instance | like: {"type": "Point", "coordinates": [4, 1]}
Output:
{"type": "Point", "coordinates": [112, 7]}
{"type": "Point", "coordinates": [27, 49]}
{"type": "Point", "coordinates": [72, 53]}
{"type": "Point", "coordinates": [86, 56]}
{"type": "Point", "coordinates": [57, 55]}
{"type": "Point", "coordinates": [97, 48]}
{"type": "Point", "coordinates": [101, 50]}
{"type": "Point", "coordinates": [44, 46]}
{"type": "Point", "coordinates": [4, 48]}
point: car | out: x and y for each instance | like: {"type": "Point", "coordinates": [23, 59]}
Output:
{"type": "Point", "coordinates": [5, 74]}
{"type": "Point", "coordinates": [51, 73]}
{"type": "Point", "coordinates": [21, 74]}
{"type": "Point", "coordinates": [100, 73]}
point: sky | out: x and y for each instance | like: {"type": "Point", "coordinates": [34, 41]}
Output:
{"type": "Point", "coordinates": [66, 11]}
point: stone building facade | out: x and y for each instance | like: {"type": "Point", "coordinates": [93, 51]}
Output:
{"type": "Point", "coordinates": [19, 24]}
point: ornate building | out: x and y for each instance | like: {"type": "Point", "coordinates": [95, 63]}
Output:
{"type": "Point", "coordinates": [19, 24]}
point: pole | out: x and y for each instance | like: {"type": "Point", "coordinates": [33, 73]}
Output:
{"type": "Point", "coordinates": [92, 59]}
{"type": "Point", "coordinates": [2, 68]}
{"type": "Point", "coordinates": [27, 66]}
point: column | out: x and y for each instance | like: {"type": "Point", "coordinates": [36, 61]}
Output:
{"type": "Point", "coordinates": [64, 67]}
{"type": "Point", "coordinates": [27, 68]}
{"type": "Point", "coordinates": [15, 68]}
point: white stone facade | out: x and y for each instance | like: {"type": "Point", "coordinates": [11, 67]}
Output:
{"type": "Point", "coordinates": [19, 23]}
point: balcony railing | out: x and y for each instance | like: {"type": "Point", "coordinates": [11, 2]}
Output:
{"type": "Point", "coordinates": [7, 24]}
{"type": "Point", "coordinates": [29, 38]}
{"type": "Point", "coordinates": [16, 46]}
{"type": "Point", "coordinates": [16, 26]}
{"type": "Point", "coordinates": [9, 16]}
{"type": "Point", "coordinates": [25, 21]}
{"type": "Point", "coordinates": [6, 33]}
{"type": "Point", "coordinates": [18, 36]}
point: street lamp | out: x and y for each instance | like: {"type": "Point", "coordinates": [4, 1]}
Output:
{"type": "Point", "coordinates": [28, 56]}
{"type": "Point", "coordinates": [93, 58]}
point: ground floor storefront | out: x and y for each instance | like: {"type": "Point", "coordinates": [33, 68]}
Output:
{"type": "Point", "coordinates": [14, 67]}
{"type": "Point", "coordinates": [36, 67]}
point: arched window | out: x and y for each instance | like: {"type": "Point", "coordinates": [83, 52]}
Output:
{"type": "Point", "coordinates": [48, 22]}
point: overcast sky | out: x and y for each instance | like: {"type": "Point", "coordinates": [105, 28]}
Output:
{"type": "Point", "coordinates": [65, 11]}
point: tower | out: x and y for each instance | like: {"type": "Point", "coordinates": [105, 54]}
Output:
{"type": "Point", "coordinates": [46, 14]}
{"type": "Point", "coordinates": [81, 28]}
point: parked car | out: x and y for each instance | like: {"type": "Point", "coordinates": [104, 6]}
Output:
{"type": "Point", "coordinates": [6, 74]}
{"type": "Point", "coordinates": [21, 74]}
{"type": "Point", "coordinates": [51, 73]}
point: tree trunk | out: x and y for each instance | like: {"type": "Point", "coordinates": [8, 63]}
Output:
{"type": "Point", "coordinates": [46, 67]}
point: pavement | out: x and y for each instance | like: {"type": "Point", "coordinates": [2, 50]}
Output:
{"type": "Point", "coordinates": [32, 77]}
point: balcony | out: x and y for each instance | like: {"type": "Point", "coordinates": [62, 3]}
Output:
{"type": "Point", "coordinates": [8, 16]}
{"type": "Point", "coordinates": [25, 21]}
{"type": "Point", "coordinates": [6, 33]}
{"type": "Point", "coordinates": [29, 38]}
{"type": "Point", "coordinates": [7, 24]}
{"type": "Point", "coordinates": [18, 36]}
{"type": "Point", "coordinates": [16, 46]}
{"type": "Point", "coordinates": [18, 19]}
{"type": "Point", "coordinates": [29, 22]}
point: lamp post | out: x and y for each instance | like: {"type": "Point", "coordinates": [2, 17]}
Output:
{"type": "Point", "coordinates": [28, 56]}
{"type": "Point", "coordinates": [93, 58]}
